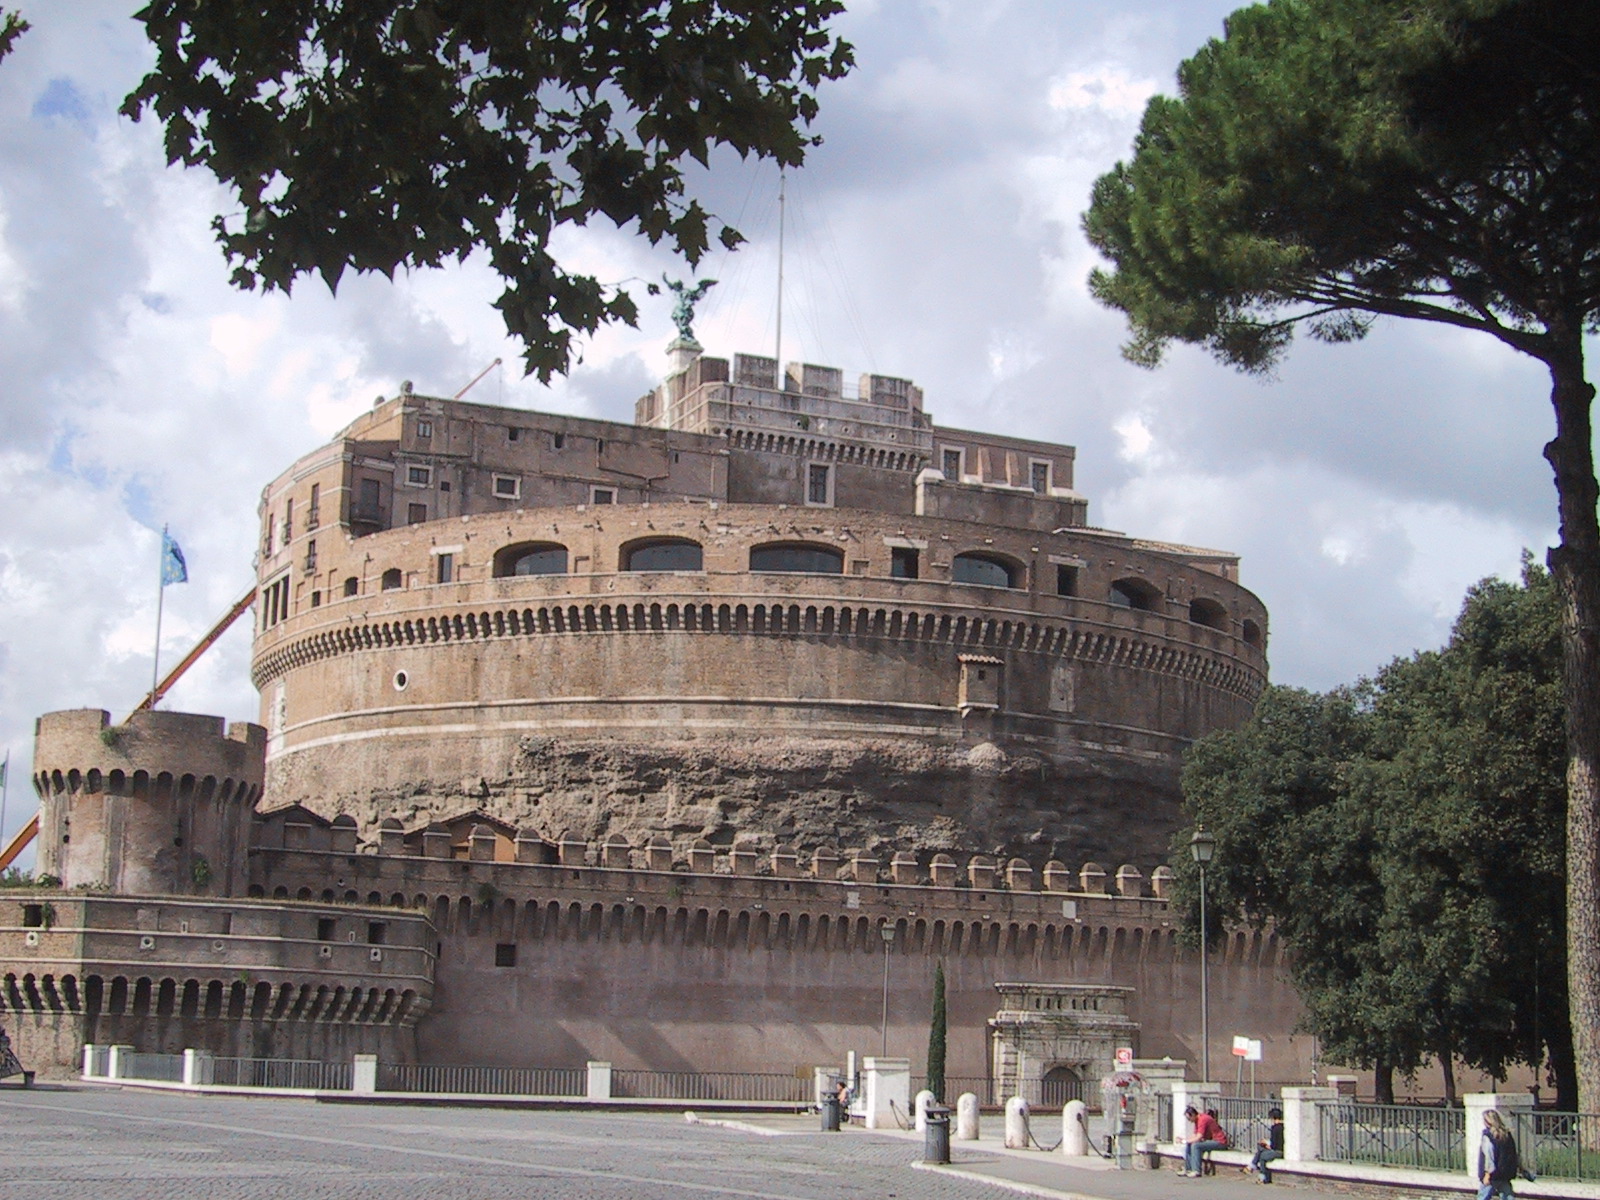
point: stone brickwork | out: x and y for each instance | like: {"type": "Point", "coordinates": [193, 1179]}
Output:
{"type": "Point", "coordinates": [238, 978]}
{"type": "Point", "coordinates": [159, 805]}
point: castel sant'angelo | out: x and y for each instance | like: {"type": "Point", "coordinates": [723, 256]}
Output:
{"type": "Point", "coordinates": [585, 740]}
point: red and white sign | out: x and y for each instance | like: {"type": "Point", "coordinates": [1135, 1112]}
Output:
{"type": "Point", "coordinates": [1246, 1048]}
{"type": "Point", "coordinates": [1124, 1056]}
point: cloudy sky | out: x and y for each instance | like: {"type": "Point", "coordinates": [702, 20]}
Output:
{"type": "Point", "coordinates": [934, 235]}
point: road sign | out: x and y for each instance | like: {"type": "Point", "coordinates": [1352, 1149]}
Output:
{"type": "Point", "coordinates": [1124, 1056]}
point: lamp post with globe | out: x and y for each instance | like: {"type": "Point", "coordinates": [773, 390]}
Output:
{"type": "Point", "coordinates": [1202, 846]}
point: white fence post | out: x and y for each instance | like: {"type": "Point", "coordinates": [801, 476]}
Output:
{"type": "Point", "coordinates": [114, 1063]}
{"type": "Point", "coordinates": [1016, 1123]}
{"type": "Point", "coordinates": [599, 1081]}
{"type": "Point", "coordinates": [364, 1075]}
{"type": "Point", "coordinates": [88, 1060]}
{"type": "Point", "coordinates": [1302, 1121]}
{"type": "Point", "coordinates": [888, 1086]}
{"type": "Point", "coordinates": [967, 1117]}
{"type": "Point", "coordinates": [1075, 1129]}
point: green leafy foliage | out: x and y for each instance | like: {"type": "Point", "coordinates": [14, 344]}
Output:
{"type": "Point", "coordinates": [12, 26]}
{"type": "Point", "coordinates": [937, 1032]}
{"type": "Point", "coordinates": [1329, 162]}
{"type": "Point", "coordinates": [382, 135]}
{"type": "Point", "coordinates": [1406, 838]}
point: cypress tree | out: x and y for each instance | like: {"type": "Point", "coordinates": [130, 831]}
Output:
{"type": "Point", "coordinates": [936, 1035]}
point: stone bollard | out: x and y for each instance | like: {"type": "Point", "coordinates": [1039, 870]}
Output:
{"type": "Point", "coordinates": [1016, 1123]}
{"type": "Point", "coordinates": [1075, 1129]}
{"type": "Point", "coordinates": [967, 1117]}
{"type": "Point", "coordinates": [924, 1098]}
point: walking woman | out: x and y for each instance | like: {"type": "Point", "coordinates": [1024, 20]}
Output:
{"type": "Point", "coordinates": [1497, 1158]}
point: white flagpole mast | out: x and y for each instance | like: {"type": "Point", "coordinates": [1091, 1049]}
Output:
{"type": "Point", "coordinates": [161, 594]}
{"type": "Point", "coordinates": [5, 791]}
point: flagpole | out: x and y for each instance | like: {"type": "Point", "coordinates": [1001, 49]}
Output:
{"type": "Point", "coordinates": [161, 594]}
{"type": "Point", "coordinates": [5, 791]}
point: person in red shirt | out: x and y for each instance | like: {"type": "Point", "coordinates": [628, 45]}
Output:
{"type": "Point", "coordinates": [1205, 1135]}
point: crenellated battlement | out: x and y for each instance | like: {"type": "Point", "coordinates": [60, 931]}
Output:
{"type": "Point", "coordinates": [158, 805]}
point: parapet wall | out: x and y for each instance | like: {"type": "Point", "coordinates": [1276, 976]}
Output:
{"type": "Point", "coordinates": [238, 978]}
{"type": "Point", "coordinates": [158, 805]}
{"type": "Point", "coordinates": [552, 963]}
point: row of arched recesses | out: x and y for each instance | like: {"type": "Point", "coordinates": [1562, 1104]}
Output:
{"type": "Point", "coordinates": [1080, 642]}
{"type": "Point", "coordinates": [507, 919]}
{"type": "Point", "coordinates": [207, 999]}
{"type": "Point", "coordinates": [142, 785]}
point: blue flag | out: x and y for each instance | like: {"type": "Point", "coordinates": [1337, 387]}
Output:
{"type": "Point", "coordinates": [173, 568]}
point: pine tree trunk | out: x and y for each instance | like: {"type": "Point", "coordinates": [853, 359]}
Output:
{"type": "Point", "coordinates": [1383, 1082]}
{"type": "Point", "coordinates": [1575, 564]}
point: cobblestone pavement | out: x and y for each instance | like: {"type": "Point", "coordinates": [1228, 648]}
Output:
{"type": "Point", "coordinates": [108, 1144]}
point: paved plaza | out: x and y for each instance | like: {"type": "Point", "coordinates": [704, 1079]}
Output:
{"type": "Point", "coordinates": [68, 1143]}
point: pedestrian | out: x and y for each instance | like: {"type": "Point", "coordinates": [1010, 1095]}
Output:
{"type": "Point", "coordinates": [10, 1064]}
{"type": "Point", "coordinates": [1205, 1135]}
{"type": "Point", "coordinates": [1498, 1163]}
{"type": "Point", "coordinates": [844, 1096]}
{"type": "Point", "coordinates": [1270, 1148]}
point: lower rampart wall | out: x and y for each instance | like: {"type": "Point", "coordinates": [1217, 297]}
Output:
{"type": "Point", "coordinates": [551, 965]}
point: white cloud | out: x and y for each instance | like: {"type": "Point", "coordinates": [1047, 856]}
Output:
{"type": "Point", "coordinates": [1108, 89]}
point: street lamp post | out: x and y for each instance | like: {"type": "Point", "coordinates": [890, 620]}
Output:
{"type": "Point", "coordinates": [1201, 847]}
{"type": "Point", "coordinates": [886, 931]}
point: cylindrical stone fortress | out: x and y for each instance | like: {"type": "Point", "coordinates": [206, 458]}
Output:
{"type": "Point", "coordinates": [865, 631]}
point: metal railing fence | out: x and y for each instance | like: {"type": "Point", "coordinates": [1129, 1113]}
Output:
{"type": "Point", "coordinates": [1394, 1135]}
{"type": "Point", "coordinates": [1558, 1145]}
{"type": "Point", "coordinates": [163, 1068]}
{"type": "Point", "coordinates": [1245, 1119]}
{"type": "Point", "coordinates": [483, 1081]}
{"type": "Point", "coordinates": [980, 1086]}
{"type": "Point", "coordinates": [711, 1085]}
{"type": "Point", "coordinates": [305, 1073]}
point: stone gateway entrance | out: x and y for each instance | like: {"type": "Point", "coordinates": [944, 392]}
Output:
{"type": "Point", "coordinates": [1054, 1042]}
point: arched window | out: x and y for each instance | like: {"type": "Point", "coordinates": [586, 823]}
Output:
{"type": "Point", "coordinates": [798, 557]}
{"type": "Point", "coordinates": [391, 579]}
{"type": "Point", "coordinates": [531, 558]}
{"type": "Point", "coordinates": [1208, 613]}
{"type": "Point", "coordinates": [1135, 593]}
{"type": "Point", "coordinates": [352, 585]}
{"type": "Point", "coordinates": [662, 554]}
{"type": "Point", "coordinates": [1252, 633]}
{"type": "Point", "coordinates": [985, 570]}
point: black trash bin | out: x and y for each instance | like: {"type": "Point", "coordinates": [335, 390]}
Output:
{"type": "Point", "coordinates": [936, 1135]}
{"type": "Point", "coordinates": [830, 1114]}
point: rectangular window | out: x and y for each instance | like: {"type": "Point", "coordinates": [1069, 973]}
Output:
{"type": "Point", "coordinates": [419, 476]}
{"type": "Point", "coordinates": [325, 928]}
{"type": "Point", "coordinates": [288, 521]}
{"type": "Point", "coordinates": [416, 514]}
{"type": "Point", "coordinates": [1066, 581]}
{"type": "Point", "coordinates": [512, 433]}
{"type": "Point", "coordinates": [819, 484]}
{"type": "Point", "coordinates": [377, 931]}
{"type": "Point", "coordinates": [558, 441]}
{"type": "Point", "coordinates": [314, 513]}
{"type": "Point", "coordinates": [1039, 476]}
{"type": "Point", "coordinates": [505, 954]}
{"type": "Point", "coordinates": [447, 567]}
{"type": "Point", "coordinates": [602, 495]}
{"type": "Point", "coordinates": [311, 554]}
{"type": "Point", "coordinates": [266, 543]}
{"type": "Point", "coordinates": [507, 487]}
{"type": "Point", "coordinates": [316, 599]}
{"type": "Point", "coordinates": [424, 428]}
{"type": "Point", "coordinates": [950, 464]}
{"type": "Point", "coordinates": [902, 562]}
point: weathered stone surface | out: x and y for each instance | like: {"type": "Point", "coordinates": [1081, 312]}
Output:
{"type": "Point", "coordinates": [877, 795]}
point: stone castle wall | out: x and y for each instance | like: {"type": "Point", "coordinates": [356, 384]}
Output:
{"type": "Point", "coordinates": [159, 805]}
{"type": "Point", "coordinates": [709, 965]}
{"type": "Point", "coordinates": [239, 978]}
{"type": "Point", "coordinates": [722, 701]}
